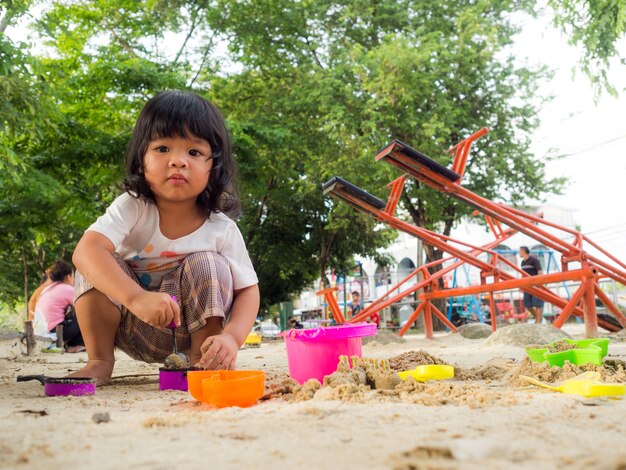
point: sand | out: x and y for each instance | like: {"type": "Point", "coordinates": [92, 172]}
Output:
{"type": "Point", "coordinates": [485, 418]}
{"type": "Point", "coordinates": [175, 361]}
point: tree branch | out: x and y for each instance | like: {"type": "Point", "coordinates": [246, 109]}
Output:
{"type": "Point", "coordinates": [312, 50]}
{"type": "Point", "coordinates": [325, 251]}
{"type": "Point", "coordinates": [122, 42]}
{"type": "Point", "coordinates": [205, 55]}
{"type": "Point", "coordinates": [259, 215]}
{"type": "Point", "coordinates": [408, 204]}
{"type": "Point", "coordinates": [194, 17]}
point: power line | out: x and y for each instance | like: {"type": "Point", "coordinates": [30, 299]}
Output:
{"type": "Point", "coordinates": [610, 236]}
{"type": "Point", "coordinates": [605, 228]}
{"type": "Point", "coordinates": [595, 146]}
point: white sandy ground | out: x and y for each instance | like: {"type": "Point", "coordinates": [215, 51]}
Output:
{"type": "Point", "coordinates": [150, 429]}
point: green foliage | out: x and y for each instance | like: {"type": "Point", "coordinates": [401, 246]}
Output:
{"type": "Point", "coordinates": [29, 197]}
{"type": "Point", "coordinates": [346, 78]}
{"type": "Point", "coordinates": [11, 318]}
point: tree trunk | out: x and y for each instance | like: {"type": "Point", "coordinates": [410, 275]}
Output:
{"type": "Point", "coordinates": [325, 251]}
{"type": "Point", "coordinates": [25, 267]}
{"type": "Point", "coordinates": [260, 212]}
{"type": "Point", "coordinates": [29, 334]}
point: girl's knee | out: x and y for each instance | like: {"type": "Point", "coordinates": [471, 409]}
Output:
{"type": "Point", "coordinates": [93, 297]}
{"type": "Point", "coordinates": [208, 264]}
{"type": "Point", "coordinates": [203, 257]}
{"type": "Point", "coordinates": [95, 303]}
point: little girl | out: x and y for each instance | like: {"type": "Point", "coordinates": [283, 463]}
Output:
{"type": "Point", "coordinates": [165, 251]}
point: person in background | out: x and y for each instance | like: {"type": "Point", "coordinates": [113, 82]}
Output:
{"type": "Point", "coordinates": [56, 305]}
{"type": "Point", "coordinates": [374, 318]}
{"type": "Point", "coordinates": [293, 323]}
{"type": "Point", "coordinates": [354, 307]}
{"type": "Point", "coordinates": [32, 301]}
{"type": "Point", "coordinates": [532, 266]}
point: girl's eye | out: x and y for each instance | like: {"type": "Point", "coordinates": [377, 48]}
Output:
{"type": "Point", "coordinates": [195, 153]}
{"type": "Point", "coordinates": [161, 149]}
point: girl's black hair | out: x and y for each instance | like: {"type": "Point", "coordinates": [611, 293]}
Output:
{"type": "Point", "coordinates": [184, 114]}
{"type": "Point", "coordinates": [59, 270]}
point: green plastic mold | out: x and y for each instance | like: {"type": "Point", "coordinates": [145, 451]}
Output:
{"type": "Point", "coordinates": [588, 351]}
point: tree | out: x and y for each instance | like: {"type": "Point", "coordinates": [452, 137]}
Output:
{"type": "Point", "coordinates": [292, 232]}
{"type": "Point", "coordinates": [107, 61]}
{"type": "Point", "coordinates": [357, 74]}
{"type": "Point", "coordinates": [65, 125]}
{"type": "Point", "coordinates": [28, 197]}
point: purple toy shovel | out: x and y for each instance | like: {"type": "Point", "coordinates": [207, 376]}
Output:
{"type": "Point", "coordinates": [174, 375]}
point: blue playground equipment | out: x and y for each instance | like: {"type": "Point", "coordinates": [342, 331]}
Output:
{"type": "Point", "coordinates": [469, 305]}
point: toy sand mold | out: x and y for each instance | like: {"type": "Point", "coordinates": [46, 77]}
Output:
{"type": "Point", "coordinates": [60, 387]}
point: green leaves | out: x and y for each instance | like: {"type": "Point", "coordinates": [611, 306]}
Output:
{"type": "Point", "coordinates": [310, 90]}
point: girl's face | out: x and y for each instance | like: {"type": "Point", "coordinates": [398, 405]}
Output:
{"type": "Point", "coordinates": [177, 168]}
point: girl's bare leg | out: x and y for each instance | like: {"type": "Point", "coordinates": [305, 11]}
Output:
{"type": "Point", "coordinates": [99, 320]}
{"type": "Point", "coordinates": [212, 327]}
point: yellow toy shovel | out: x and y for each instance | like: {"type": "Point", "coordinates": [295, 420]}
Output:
{"type": "Point", "coordinates": [429, 372]}
{"type": "Point", "coordinates": [586, 385]}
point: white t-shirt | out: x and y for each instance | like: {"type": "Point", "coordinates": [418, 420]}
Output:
{"type": "Point", "coordinates": [132, 225]}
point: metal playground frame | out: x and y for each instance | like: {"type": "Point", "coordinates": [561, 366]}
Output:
{"type": "Point", "coordinates": [440, 178]}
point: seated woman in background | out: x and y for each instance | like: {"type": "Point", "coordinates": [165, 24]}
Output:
{"type": "Point", "coordinates": [32, 302]}
{"type": "Point", "coordinates": [56, 305]}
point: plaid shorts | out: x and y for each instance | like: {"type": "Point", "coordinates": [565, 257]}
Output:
{"type": "Point", "coordinates": [203, 286]}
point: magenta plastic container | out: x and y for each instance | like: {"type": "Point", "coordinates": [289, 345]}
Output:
{"type": "Point", "coordinates": [314, 353]}
{"type": "Point", "coordinates": [173, 379]}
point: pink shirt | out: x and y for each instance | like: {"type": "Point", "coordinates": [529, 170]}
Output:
{"type": "Point", "coordinates": [53, 301]}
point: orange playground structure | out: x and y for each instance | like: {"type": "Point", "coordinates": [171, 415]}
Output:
{"type": "Point", "coordinates": [592, 261]}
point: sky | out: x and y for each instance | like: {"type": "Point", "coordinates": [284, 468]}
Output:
{"type": "Point", "coordinates": [591, 135]}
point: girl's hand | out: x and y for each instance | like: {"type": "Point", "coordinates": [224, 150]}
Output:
{"type": "Point", "coordinates": [219, 352]}
{"type": "Point", "coordinates": [155, 308]}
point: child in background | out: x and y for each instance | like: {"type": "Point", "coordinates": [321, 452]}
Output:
{"type": "Point", "coordinates": [354, 307]}
{"type": "Point", "coordinates": [165, 250]}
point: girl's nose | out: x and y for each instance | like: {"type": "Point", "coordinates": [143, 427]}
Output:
{"type": "Point", "coordinates": [178, 160]}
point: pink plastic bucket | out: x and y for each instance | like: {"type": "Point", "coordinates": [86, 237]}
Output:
{"type": "Point", "coordinates": [314, 353]}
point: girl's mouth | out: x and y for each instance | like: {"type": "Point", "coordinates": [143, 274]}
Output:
{"type": "Point", "coordinates": [177, 178]}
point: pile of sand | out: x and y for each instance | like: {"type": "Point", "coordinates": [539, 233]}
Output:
{"type": "Point", "coordinates": [475, 330]}
{"type": "Point", "coordinates": [560, 346]}
{"type": "Point", "coordinates": [493, 370]}
{"type": "Point", "coordinates": [611, 372]}
{"type": "Point", "coordinates": [411, 359]}
{"type": "Point", "coordinates": [278, 385]}
{"type": "Point", "coordinates": [372, 380]}
{"type": "Point", "coordinates": [525, 334]}
{"type": "Point", "coordinates": [383, 337]}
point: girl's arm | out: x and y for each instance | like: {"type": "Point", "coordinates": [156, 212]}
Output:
{"type": "Point", "coordinates": [93, 258]}
{"type": "Point", "coordinates": [221, 351]}
{"type": "Point", "coordinates": [243, 313]}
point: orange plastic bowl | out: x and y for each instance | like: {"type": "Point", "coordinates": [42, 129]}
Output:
{"type": "Point", "coordinates": [224, 388]}
{"type": "Point", "coordinates": [194, 381]}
